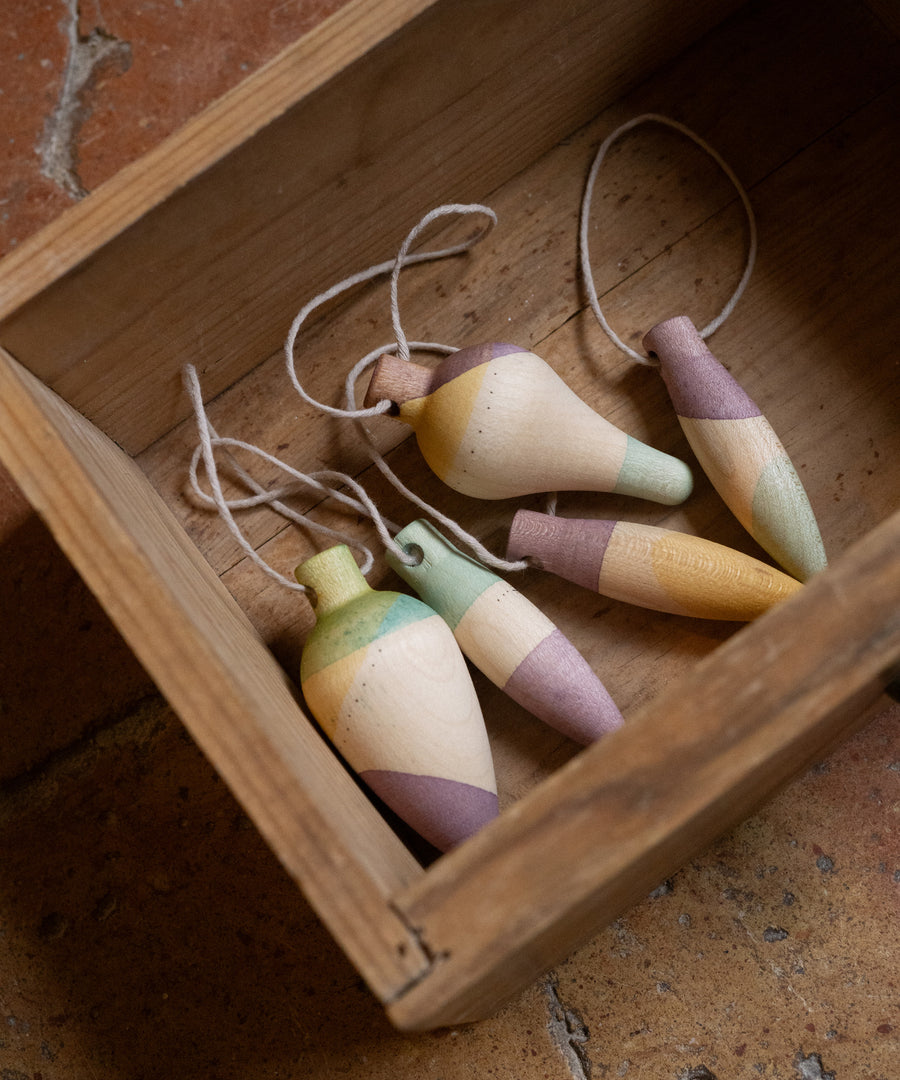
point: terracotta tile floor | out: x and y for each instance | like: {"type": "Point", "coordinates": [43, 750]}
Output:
{"type": "Point", "coordinates": [145, 929]}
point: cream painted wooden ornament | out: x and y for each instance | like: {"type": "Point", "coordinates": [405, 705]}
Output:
{"type": "Point", "coordinates": [507, 637]}
{"type": "Point", "coordinates": [384, 677]}
{"type": "Point", "coordinates": [737, 448]}
{"type": "Point", "coordinates": [651, 567]}
{"type": "Point", "coordinates": [495, 421]}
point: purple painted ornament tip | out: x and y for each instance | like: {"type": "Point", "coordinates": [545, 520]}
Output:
{"type": "Point", "coordinates": [576, 703]}
{"type": "Point", "coordinates": [699, 386]}
{"type": "Point", "coordinates": [444, 812]}
{"type": "Point", "coordinates": [399, 380]}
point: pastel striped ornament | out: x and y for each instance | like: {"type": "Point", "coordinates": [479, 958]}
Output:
{"type": "Point", "coordinates": [651, 567]}
{"type": "Point", "coordinates": [507, 637]}
{"type": "Point", "coordinates": [495, 421]}
{"type": "Point", "coordinates": [737, 449]}
{"type": "Point", "coordinates": [384, 677]}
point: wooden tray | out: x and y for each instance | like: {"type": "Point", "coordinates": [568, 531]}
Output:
{"type": "Point", "coordinates": [316, 167]}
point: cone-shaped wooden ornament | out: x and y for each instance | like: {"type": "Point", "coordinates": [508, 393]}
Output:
{"type": "Point", "coordinates": [737, 448]}
{"type": "Point", "coordinates": [507, 638]}
{"type": "Point", "coordinates": [495, 421]}
{"type": "Point", "coordinates": [384, 677]}
{"type": "Point", "coordinates": [651, 567]}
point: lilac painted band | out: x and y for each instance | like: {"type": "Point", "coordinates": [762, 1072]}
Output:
{"type": "Point", "coordinates": [444, 812]}
{"type": "Point", "coordinates": [699, 386]}
{"type": "Point", "coordinates": [474, 356]}
{"type": "Point", "coordinates": [571, 548]}
{"type": "Point", "coordinates": [556, 684]}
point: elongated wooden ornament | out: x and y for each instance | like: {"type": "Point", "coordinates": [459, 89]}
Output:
{"type": "Point", "coordinates": [737, 449]}
{"type": "Point", "coordinates": [507, 637]}
{"type": "Point", "coordinates": [651, 567]}
{"type": "Point", "coordinates": [495, 421]}
{"type": "Point", "coordinates": [384, 677]}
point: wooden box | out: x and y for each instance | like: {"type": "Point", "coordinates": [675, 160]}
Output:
{"type": "Point", "coordinates": [316, 167]}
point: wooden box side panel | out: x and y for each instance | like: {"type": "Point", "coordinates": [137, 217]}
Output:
{"type": "Point", "coordinates": [603, 831]}
{"type": "Point", "coordinates": [455, 104]}
{"type": "Point", "coordinates": [198, 646]}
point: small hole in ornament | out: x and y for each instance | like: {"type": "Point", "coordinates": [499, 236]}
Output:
{"type": "Point", "coordinates": [312, 596]}
{"type": "Point", "coordinates": [415, 554]}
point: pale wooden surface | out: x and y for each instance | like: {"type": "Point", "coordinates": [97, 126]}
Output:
{"type": "Point", "coordinates": [797, 328]}
{"type": "Point", "coordinates": [509, 426]}
{"type": "Point", "coordinates": [385, 678]}
{"type": "Point", "coordinates": [797, 278]}
{"type": "Point", "coordinates": [509, 639]}
{"type": "Point", "coordinates": [740, 453]}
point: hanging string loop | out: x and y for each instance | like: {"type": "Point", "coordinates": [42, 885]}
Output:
{"type": "Point", "coordinates": [584, 247]}
{"type": "Point", "coordinates": [322, 482]}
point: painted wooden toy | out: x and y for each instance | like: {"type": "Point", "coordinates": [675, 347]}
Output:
{"type": "Point", "coordinates": [507, 638]}
{"type": "Point", "coordinates": [384, 677]}
{"type": "Point", "coordinates": [651, 567]}
{"type": "Point", "coordinates": [737, 448]}
{"type": "Point", "coordinates": [495, 421]}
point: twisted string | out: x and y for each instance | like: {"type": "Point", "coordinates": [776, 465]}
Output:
{"type": "Point", "coordinates": [583, 244]}
{"type": "Point", "coordinates": [210, 441]}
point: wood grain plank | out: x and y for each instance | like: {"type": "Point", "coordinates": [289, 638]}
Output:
{"type": "Point", "coordinates": [198, 646]}
{"type": "Point", "coordinates": [608, 827]}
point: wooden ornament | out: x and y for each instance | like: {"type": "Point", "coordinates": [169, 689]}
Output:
{"type": "Point", "coordinates": [651, 567]}
{"type": "Point", "coordinates": [507, 638]}
{"type": "Point", "coordinates": [495, 422]}
{"type": "Point", "coordinates": [384, 677]}
{"type": "Point", "coordinates": [737, 449]}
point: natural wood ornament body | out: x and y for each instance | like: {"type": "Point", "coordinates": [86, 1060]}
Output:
{"type": "Point", "coordinates": [384, 677]}
{"type": "Point", "coordinates": [651, 567]}
{"type": "Point", "coordinates": [495, 422]}
{"type": "Point", "coordinates": [507, 638]}
{"type": "Point", "coordinates": [737, 449]}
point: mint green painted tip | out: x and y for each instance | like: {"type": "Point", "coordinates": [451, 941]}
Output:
{"type": "Point", "coordinates": [784, 523]}
{"type": "Point", "coordinates": [650, 474]}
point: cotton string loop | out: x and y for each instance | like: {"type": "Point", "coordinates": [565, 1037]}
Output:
{"type": "Point", "coordinates": [209, 441]}
{"type": "Point", "coordinates": [584, 251]}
